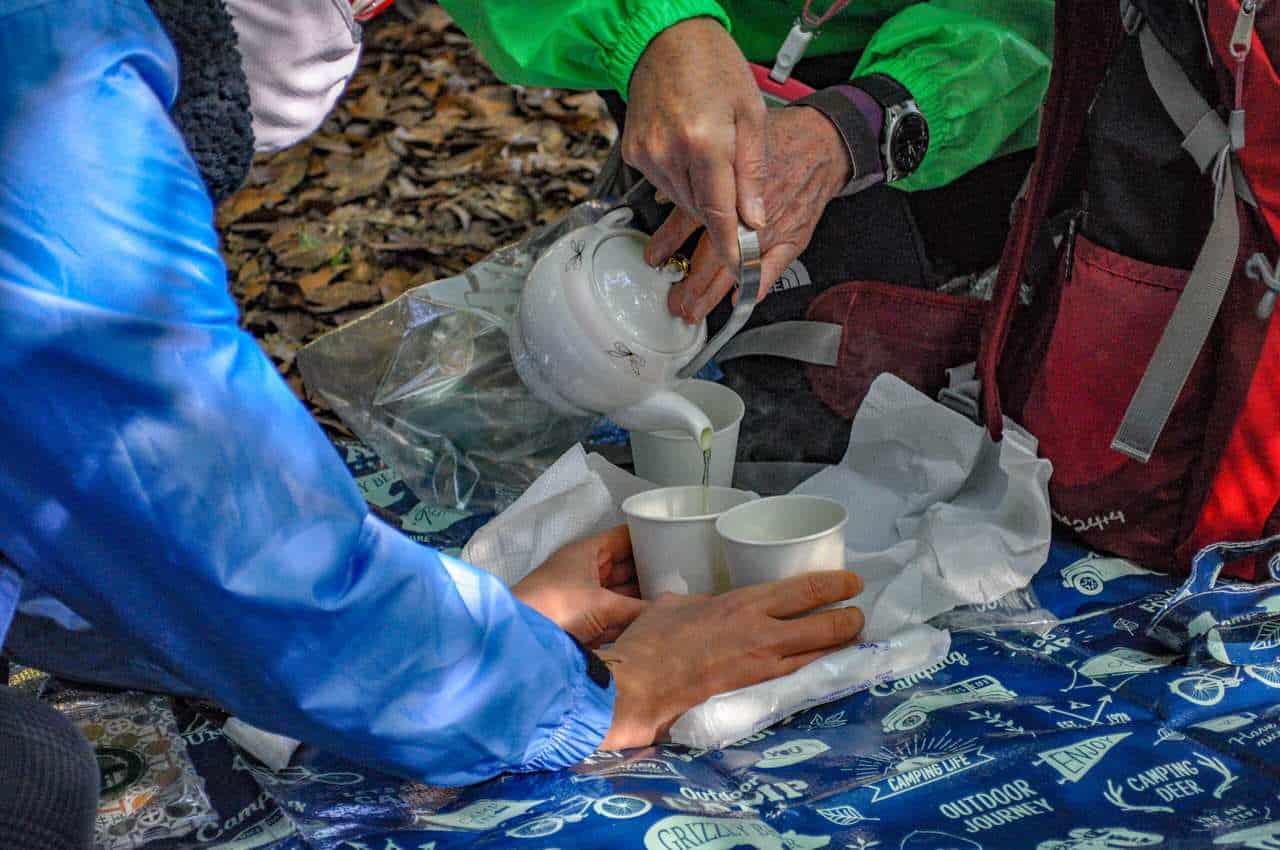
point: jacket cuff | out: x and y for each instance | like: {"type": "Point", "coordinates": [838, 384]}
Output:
{"type": "Point", "coordinates": [641, 27]}
{"type": "Point", "coordinates": [585, 723]}
{"type": "Point", "coordinates": [931, 96]}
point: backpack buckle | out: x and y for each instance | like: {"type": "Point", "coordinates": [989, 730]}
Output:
{"type": "Point", "coordinates": [963, 392]}
{"type": "Point", "coordinates": [1259, 268]}
{"type": "Point", "coordinates": [1131, 17]}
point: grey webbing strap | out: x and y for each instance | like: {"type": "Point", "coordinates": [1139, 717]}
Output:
{"type": "Point", "coordinates": [1185, 334]}
{"type": "Point", "coordinates": [1206, 140]}
{"type": "Point", "coordinates": [1188, 328]}
{"type": "Point", "coordinates": [1180, 99]}
{"type": "Point", "coordinates": [808, 342]}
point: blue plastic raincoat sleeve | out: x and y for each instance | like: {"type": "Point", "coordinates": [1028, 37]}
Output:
{"type": "Point", "coordinates": [161, 480]}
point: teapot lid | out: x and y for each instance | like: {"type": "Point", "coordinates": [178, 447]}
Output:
{"type": "Point", "coordinates": [635, 295]}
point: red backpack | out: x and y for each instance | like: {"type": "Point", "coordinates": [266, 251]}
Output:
{"type": "Point", "coordinates": [1154, 389]}
{"type": "Point", "coordinates": [1118, 344]}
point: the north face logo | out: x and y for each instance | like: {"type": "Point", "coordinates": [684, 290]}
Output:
{"type": "Point", "coordinates": [793, 277]}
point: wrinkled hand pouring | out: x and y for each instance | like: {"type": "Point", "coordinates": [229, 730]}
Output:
{"type": "Point", "coordinates": [695, 129]}
{"type": "Point", "coordinates": [807, 167]}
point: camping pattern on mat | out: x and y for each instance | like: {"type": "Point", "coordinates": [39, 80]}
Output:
{"type": "Point", "coordinates": [248, 818]}
{"type": "Point", "coordinates": [389, 498]}
{"type": "Point", "coordinates": [1088, 732]}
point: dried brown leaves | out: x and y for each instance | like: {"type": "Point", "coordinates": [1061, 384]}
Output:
{"type": "Point", "coordinates": [428, 164]}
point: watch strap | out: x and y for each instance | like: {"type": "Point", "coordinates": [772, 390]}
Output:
{"type": "Point", "coordinates": [885, 89]}
{"type": "Point", "coordinates": [597, 671]}
{"type": "Point", "coordinates": [861, 141]}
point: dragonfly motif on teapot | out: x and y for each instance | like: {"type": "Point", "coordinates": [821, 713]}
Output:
{"type": "Point", "coordinates": [577, 247]}
{"type": "Point", "coordinates": [622, 352]}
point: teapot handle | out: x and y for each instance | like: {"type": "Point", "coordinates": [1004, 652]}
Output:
{"type": "Point", "coordinates": [748, 295]}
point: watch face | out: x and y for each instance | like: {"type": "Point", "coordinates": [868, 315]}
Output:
{"type": "Point", "coordinates": [909, 143]}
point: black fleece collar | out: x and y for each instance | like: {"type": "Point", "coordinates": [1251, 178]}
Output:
{"type": "Point", "coordinates": [212, 109]}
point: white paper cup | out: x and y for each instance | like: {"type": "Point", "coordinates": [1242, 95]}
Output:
{"type": "Point", "coordinates": [782, 536]}
{"type": "Point", "coordinates": [672, 458]}
{"type": "Point", "coordinates": [674, 540]}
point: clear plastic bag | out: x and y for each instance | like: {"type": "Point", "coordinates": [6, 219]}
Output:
{"type": "Point", "coordinates": [150, 788]}
{"type": "Point", "coordinates": [427, 381]}
{"type": "Point", "coordinates": [1018, 609]}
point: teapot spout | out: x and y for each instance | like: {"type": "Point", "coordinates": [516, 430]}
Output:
{"type": "Point", "coordinates": [666, 410]}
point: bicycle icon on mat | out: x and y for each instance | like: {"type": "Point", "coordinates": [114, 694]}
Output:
{"type": "Point", "coordinates": [575, 810]}
{"type": "Point", "coordinates": [1207, 687]}
{"type": "Point", "coordinates": [296, 775]}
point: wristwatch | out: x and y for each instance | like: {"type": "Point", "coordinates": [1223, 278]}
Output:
{"type": "Point", "coordinates": [904, 141]}
{"type": "Point", "coordinates": [883, 130]}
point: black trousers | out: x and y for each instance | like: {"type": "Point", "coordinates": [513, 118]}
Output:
{"type": "Point", "coordinates": [915, 239]}
{"type": "Point", "coordinates": [48, 778]}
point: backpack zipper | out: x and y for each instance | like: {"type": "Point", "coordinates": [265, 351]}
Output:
{"type": "Point", "coordinates": [1073, 229]}
{"type": "Point", "coordinates": [1242, 35]}
{"type": "Point", "coordinates": [1239, 47]}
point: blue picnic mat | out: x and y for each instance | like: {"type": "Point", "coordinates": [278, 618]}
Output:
{"type": "Point", "coordinates": [1141, 713]}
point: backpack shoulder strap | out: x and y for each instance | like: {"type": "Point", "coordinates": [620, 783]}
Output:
{"type": "Point", "coordinates": [1209, 142]}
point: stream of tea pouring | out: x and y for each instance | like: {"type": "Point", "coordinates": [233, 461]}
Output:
{"type": "Point", "coordinates": [748, 294]}
{"type": "Point", "coordinates": [748, 286]}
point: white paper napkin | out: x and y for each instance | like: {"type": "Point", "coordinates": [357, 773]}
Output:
{"type": "Point", "coordinates": [939, 516]}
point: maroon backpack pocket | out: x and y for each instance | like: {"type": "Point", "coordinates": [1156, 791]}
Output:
{"type": "Point", "coordinates": [1111, 313]}
{"type": "Point", "coordinates": [914, 334]}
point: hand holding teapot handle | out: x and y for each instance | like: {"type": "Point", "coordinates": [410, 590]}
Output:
{"type": "Point", "coordinates": [749, 286]}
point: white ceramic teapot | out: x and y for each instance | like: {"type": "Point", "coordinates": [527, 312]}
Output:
{"type": "Point", "coordinates": [593, 331]}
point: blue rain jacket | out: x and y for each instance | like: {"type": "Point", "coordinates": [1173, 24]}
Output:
{"type": "Point", "coordinates": [162, 484]}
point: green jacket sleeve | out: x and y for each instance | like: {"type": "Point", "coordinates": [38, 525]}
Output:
{"type": "Point", "coordinates": [978, 72]}
{"type": "Point", "coordinates": [593, 44]}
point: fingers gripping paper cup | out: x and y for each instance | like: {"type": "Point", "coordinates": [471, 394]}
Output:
{"type": "Point", "coordinates": [674, 538]}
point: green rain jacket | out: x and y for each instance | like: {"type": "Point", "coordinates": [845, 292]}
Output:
{"type": "Point", "coordinates": [978, 69]}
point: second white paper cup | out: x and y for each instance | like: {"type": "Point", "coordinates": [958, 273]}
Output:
{"type": "Point", "coordinates": [674, 540]}
{"type": "Point", "coordinates": [672, 458]}
{"type": "Point", "coordinates": [782, 536]}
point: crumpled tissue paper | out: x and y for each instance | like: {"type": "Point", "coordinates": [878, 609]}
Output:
{"type": "Point", "coordinates": [275, 751]}
{"type": "Point", "coordinates": [939, 516]}
{"type": "Point", "coordinates": [578, 496]}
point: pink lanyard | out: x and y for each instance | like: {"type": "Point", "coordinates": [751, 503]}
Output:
{"type": "Point", "coordinates": [797, 41]}
{"type": "Point", "coordinates": [813, 24]}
